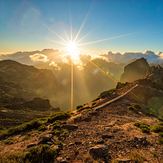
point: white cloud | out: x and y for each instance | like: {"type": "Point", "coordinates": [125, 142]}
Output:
{"type": "Point", "coordinates": [52, 63]}
{"type": "Point", "coordinates": [38, 57]}
{"type": "Point", "coordinates": [126, 57]}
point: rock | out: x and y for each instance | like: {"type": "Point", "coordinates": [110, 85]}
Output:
{"type": "Point", "coordinates": [45, 139]}
{"type": "Point", "coordinates": [123, 160]}
{"type": "Point", "coordinates": [100, 152]}
{"type": "Point", "coordinates": [139, 142]}
{"type": "Point", "coordinates": [106, 136]}
{"type": "Point", "coordinates": [78, 143]}
{"type": "Point", "coordinates": [70, 127]}
{"type": "Point", "coordinates": [100, 141]}
{"type": "Point", "coordinates": [31, 145]}
{"type": "Point", "coordinates": [61, 160]}
{"type": "Point", "coordinates": [138, 69]}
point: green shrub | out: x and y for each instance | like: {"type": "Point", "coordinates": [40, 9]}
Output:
{"type": "Point", "coordinates": [106, 93]}
{"type": "Point", "coordinates": [58, 116]}
{"type": "Point", "coordinates": [144, 127]}
{"type": "Point", "coordinates": [21, 128]}
{"type": "Point", "coordinates": [160, 141]}
{"type": "Point", "coordinates": [40, 154]}
{"type": "Point", "coordinates": [157, 128]}
{"type": "Point", "coordinates": [161, 134]}
{"type": "Point", "coordinates": [79, 107]}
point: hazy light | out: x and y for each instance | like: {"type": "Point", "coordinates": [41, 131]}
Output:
{"type": "Point", "coordinates": [73, 50]}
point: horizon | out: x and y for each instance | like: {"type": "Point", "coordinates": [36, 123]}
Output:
{"type": "Point", "coordinates": [104, 26]}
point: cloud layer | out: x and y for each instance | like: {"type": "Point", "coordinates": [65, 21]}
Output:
{"type": "Point", "coordinates": [130, 56]}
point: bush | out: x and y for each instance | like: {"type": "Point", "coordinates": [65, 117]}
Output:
{"type": "Point", "coordinates": [161, 134]}
{"type": "Point", "coordinates": [106, 93]}
{"type": "Point", "coordinates": [157, 128]}
{"type": "Point", "coordinates": [144, 127]}
{"type": "Point", "coordinates": [21, 128]}
{"type": "Point", "coordinates": [40, 154]}
{"type": "Point", "coordinates": [58, 116]}
{"type": "Point", "coordinates": [79, 107]}
{"type": "Point", "coordinates": [160, 141]}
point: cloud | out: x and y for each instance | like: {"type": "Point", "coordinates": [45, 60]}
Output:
{"type": "Point", "coordinates": [52, 63]}
{"type": "Point", "coordinates": [38, 57]}
{"type": "Point", "coordinates": [126, 57]}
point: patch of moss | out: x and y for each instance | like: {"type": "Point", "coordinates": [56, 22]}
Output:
{"type": "Point", "coordinates": [157, 128]}
{"type": "Point", "coordinates": [40, 154]}
{"type": "Point", "coordinates": [144, 127]}
{"type": "Point", "coordinates": [58, 116]}
{"type": "Point", "coordinates": [160, 141]}
{"type": "Point", "coordinates": [106, 93]}
{"type": "Point", "coordinates": [21, 128]}
{"type": "Point", "coordinates": [79, 107]}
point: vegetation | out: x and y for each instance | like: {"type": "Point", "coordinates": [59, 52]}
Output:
{"type": "Point", "coordinates": [40, 154]}
{"type": "Point", "coordinates": [144, 127]}
{"type": "Point", "coordinates": [106, 93]}
{"type": "Point", "coordinates": [21, 128]}
{"type": "Point", "coordinates": [39, 124]}
{"type": "Point", "coordinates": [147, 129]}
{"type": "Point", "coordinates": [157, 128]}
{"type": "Point", "coordinates": [58, 116]}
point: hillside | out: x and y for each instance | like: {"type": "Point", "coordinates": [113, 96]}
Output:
{"type": "Point", "coordinates": [24, 93]}
{"type": "Point", "coordinates": [118, 126]}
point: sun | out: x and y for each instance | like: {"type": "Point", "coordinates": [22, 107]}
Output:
{"type": "Point", "coordinates": [73, 51]}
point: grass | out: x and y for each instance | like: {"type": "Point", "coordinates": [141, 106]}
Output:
{"type": "Point", "coordinates": [144, 127]}
{"type": "Point", "coordinates": [106, 93]}
{"type": "Point", "coordinates": [160, 141]}
{"type": "Point", "coordinates": [21, 128]}
{"type": "Point", "coordinates": [39, 154]}
{"type": "Point", "coordinates": [157, 128]}
{"type": "Point", "coordinates": [58, 116]}
{"type": "Point", "coordinates": [36, 124]}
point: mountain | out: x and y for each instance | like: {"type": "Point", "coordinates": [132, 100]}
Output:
{"type": "Point", "coordinates": [121, 125]}
{"type": "Point", "coordinates": [19, 80]}
{"type": "Point", "coordinates": [138, 69]}
{"type": "Point", "coordinates": [25, 92]}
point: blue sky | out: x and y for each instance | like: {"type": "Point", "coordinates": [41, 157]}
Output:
{"type": "Point", "coordinates": [133, 25]}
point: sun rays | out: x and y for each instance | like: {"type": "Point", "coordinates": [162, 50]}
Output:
{"type": "Point", "coordinates": [72, 45]}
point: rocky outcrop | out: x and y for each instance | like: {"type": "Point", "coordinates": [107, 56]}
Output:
{"type": "Point", "coordinates": [138, 69]}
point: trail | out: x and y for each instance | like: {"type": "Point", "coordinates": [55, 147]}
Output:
{"type": "Point", "coordinates": [112, 124]}
{"type": "Point", "coordinates": [116, 98]}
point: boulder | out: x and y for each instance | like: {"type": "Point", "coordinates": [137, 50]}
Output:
{"type": "Point", "coordinates": [45, 139]}
{"type": "Point", "coordinates": [100, 152]}
{"type": "Point", "coordinates": [70, 127]}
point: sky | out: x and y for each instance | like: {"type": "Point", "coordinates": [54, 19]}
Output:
{"type": "Point", "coordinates": [121, 25]}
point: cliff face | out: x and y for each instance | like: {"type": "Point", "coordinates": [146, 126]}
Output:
{"type": "Point", "coordinates": [138, 69]}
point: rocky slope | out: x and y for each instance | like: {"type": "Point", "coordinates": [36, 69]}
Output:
{"type": "Point", "coordinates": [116, 127]}
{"type": "Point", "coordinates": [138, 69]}
{"type": "Point", "coordinates": [121, 125]}
{"type": "Point", "coordinates": [24, 92]}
